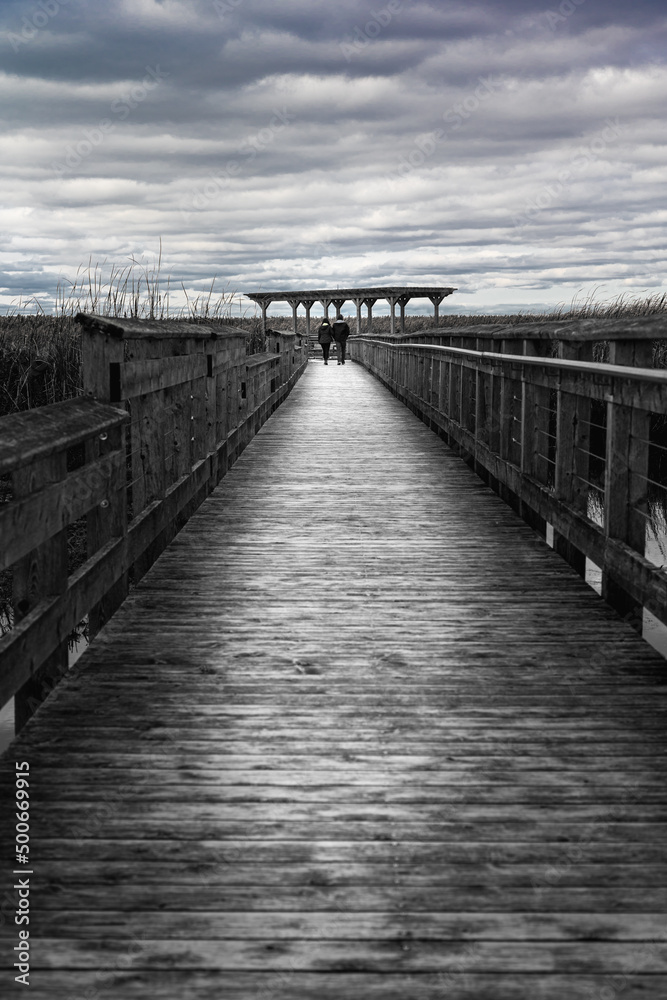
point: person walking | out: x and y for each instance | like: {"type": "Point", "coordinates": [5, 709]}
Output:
{"type": "Point", "coordinates": [325, 337]}
{"type": "Point", "coordinates": [341, 332]}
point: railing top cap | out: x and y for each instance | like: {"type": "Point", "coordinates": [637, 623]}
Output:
{"type": "Point", "coordinates": [135, 329]}
{"type": "Point", "coordinates": [656, 375]}
{"type": "Point", "coordinates": [261, 359]}
{"type": "Point", "coordinates": [49, 430]}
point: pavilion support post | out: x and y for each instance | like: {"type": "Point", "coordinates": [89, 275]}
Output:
{"type": "Point", "coordinates": [392, 314]}
{"type": "Point", "coordinates": [358, 304]}
{"type": "Point", "coordinates": [403, 301]}
{"type": "Point", "coordinates": [265, 308]}
{"type": "Point", "coordinates": [295, 307]}
{"type": "Point", "coordinates": [436, 300]}
{"type": "Point", "coordinates": [369, 303]}
{"type": "Point", "coordinates": [308, 306]}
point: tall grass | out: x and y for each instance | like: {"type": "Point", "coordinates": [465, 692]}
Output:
{"type": "Point", "coordinates": [40, 361]}
{"type": "Point", "coordinates": [136, 290]}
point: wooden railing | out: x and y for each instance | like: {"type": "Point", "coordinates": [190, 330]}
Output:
{"type": "Point", "coordinates": [169, 408]}
{"type": "Point", "coordinates": [566, 441]}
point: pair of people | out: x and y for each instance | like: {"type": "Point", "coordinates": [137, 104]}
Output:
{"type": "Point", "coordinates": [339, 332]}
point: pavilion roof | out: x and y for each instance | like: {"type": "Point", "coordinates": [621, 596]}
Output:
{"type": "Point", "coordinates": [343, 294]}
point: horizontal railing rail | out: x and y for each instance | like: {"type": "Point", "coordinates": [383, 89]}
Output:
{"type": "Point", "coordinates": [578, 330]}
{"type": "Point", "coordinates": [568, 442]}
{"type": "Point", "coordinates": [169, 408]}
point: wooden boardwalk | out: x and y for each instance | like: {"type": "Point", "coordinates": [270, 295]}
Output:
{"type": "Point", "coordinates": [359, 733]}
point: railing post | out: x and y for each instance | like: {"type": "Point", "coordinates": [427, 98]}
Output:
{"type": "Point", "coordinates": [509, 392]}
{"type": "Point", "coordinates": [101, 354]}
{"type": "Point", "coordinates": [483, 414]}
{"type": "Point", "coordinates": [534, 431]}
{"type": "Point", "coordinates": [468, 397]}
{"type": "Point", "coordinates": [626, 472]}
{"type": "Point", "coordinates": [40, 574]}
{"type": "Point", "coordinates": [454, 388]}
{"type": "Point", "coordinates": [572, 453]}
{"type": "Point", "coordinates": [105, 522]}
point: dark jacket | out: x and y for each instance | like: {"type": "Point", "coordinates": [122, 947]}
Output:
{"type": "Point", "coordinates": [324, 334]}
{"type": "Point", "coordinates": [341, 330]}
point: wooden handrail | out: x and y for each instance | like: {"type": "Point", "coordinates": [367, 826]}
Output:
{"type": "Point", "coordinates": [169, 408]}
{"type": "Point", "coordinates": [657, 376]}
{"type": "Point", "coordinates": [578, 330]}
{"type": "Point", "coordinates": [523, 422]}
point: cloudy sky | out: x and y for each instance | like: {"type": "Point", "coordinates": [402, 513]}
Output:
{"type": "Point", "coordinates": [514, 150]}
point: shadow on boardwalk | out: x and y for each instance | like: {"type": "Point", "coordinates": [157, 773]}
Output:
{"type": "Point", "coordinates": [358, 733]}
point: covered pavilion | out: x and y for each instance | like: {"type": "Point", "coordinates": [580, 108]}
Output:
{"type": "Point", "coordinates": [394, 294]}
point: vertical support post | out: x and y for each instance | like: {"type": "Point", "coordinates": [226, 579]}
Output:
{"type": "Point", "coordinates": [264, 304]}
{"type": "Point", "coordinates": [308, 306]}
{"type": "Point", "coordinates": [483, 414]}
{"type": "Point", "coordinates": [101, 353]}
{"type": "Point", "coordinates": [392, 321]}
{"type": "Point", "coordinates": [105, 523]}
{"type": "Point", "coordinates": [295, 307]}
{"type": "Point", "coordinates": [534, 440]}
{"type": "Point", "coordinates": [42, 573]}
{"type": "Point", "coordinates": [467, 413]}
{"type": "Point", "coordinates": [369, 303]}
{"type": "Point", "coordinates": [436, 300]}
{"type": "Point", "coordinates": [403, 301]}
{"type": "Point", "coordinates": [358, 303]}
{"type": "Point", "coordinates": [535, 425]}
{"type": "Point", "coordinates": [572, 453]}
{"type": "Point", "coordinates": [510, 390]}
{"type": "Point", "coordinates": [627, 458]}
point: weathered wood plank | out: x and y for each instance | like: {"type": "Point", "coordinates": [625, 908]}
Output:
{"type": "Point", "coordinates": [136, 329]}
{"type": "Point", "coordinates": [40, 573]}
{"type": "Point", "coordinates": [210, 854]}
{"type": "Point", "coordinates": [27, 523]}
{"type": "Point", "coordinates": [400, 953]}
{"type": "Point", "coordinates": [155, 374]}
{"type": "Point", "coordinates": [597, 328]}
{"type": "Point", "coordinates": [382, 872]}
{"type": "Point", "coordinates": [48, 430]}
{"type": "Point", "coordinates": [539, 897]}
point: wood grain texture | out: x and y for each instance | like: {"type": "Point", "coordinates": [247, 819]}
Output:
{"type": "Point", "coordinates": [44, 431]}
{"type": "Point", "coordinates": [358, 733]}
